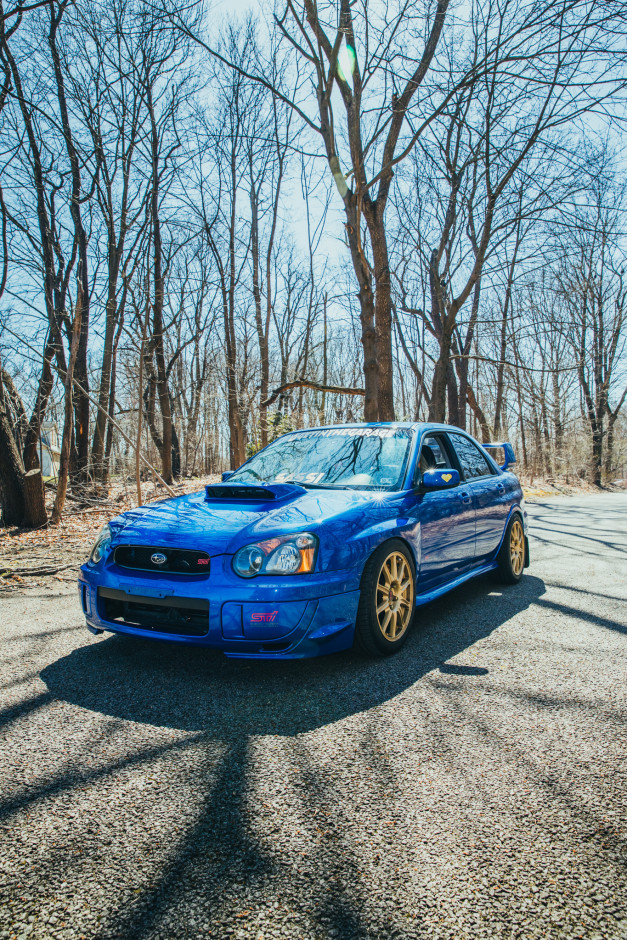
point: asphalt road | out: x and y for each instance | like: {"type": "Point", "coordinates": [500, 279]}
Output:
{"type": "Point", "coordinates": [472, 786]}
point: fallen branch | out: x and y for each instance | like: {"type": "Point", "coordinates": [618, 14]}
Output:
{"type": "Point", "coordinates": [82, 512]}
{"type": "Point", "coordinates": [34, 572]}
{"type": "Point", "coordinates": [316, 386]}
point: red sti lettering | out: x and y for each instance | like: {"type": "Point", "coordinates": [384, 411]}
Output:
{"type": "Point", "coordinates": [202, 561]}
{"type": "Point", "coordinates": [264, 618]}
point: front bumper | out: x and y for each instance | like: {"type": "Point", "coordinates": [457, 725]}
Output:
{"type": "Point", "coordinates": [264, 618]}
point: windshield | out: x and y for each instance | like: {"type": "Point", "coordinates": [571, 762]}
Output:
{"type": "Point", "coordinates": [359, 458]}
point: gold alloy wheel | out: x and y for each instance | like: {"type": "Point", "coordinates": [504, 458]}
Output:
{"type": "Point", "coordinates": [517, 547]}
{"type": "Point", "coordinates": [395, 596]}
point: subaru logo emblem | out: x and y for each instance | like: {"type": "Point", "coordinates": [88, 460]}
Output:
{"type": "Point", "coordinates": [158, 558]}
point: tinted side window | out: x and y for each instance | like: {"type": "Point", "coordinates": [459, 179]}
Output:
{"type": "Point", "coordinates": [432, 456]}
{"type": "Point", "coordinates": [472, 461]}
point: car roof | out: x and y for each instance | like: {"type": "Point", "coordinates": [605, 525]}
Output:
{"type": "Point", "coordinates": [423, 425]}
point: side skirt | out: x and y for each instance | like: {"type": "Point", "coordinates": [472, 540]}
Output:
{"type": "Point", "coordinates": [450, 585]}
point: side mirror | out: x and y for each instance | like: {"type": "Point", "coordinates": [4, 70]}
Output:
{"type": "Point", "coordinates": [227, 474]}
{"type": "Point", "coordinates": [440, 479]}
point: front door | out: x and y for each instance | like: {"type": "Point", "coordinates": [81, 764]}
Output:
{"type": "Point", "coordinates": [447, 521]}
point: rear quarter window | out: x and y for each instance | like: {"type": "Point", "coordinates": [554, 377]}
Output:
{"type": "Point", "coordinates": [474, 464]}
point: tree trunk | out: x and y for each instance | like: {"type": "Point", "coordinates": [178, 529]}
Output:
{"type": "Point", "coordinates": [366, 311]}
{"type": "Point", "coordinates": [176, 453]}
{"type": "Point", "coordinates": [158, 342]}
{"type": "Point", "coordinates": [479, 414]}
{"type": "Point", "coordinates": [596, 455]}
{"type": "Point", "coordinates": [463, 364]}
{"type": "Point", "coordinates": [595, 422]}
{"type": "Point", "coordinates": [519, 399]}
{"type": "Point", "coordinates": [140, 402]}
{"type": "Point", "coordinates": [437, 406]}
{"type": "Point", "coordinates": [35, 515]}
{"type": "Point", "coordinates": [383, 316]}
{"type": "Point", "coordinates": [443, 324]}
{"type": "Point", "coordinates": [11, 469]}
{"type": "Point", "coordinates": [81, 395]}
{"type": "Point", "coordinates": [16, 409]}
{"type": "Point", "coordinates": [81, 407]}
{"type": "Point", "coordinates": [237, 447]}
{"type": "Point", "coordinates": [500, 371]}
{"type": "Point", "coordinates": [608, 459]}
{"type": "Point", "coordinates": [262, 336]}
{"type": "Point", "coordinates": [500, 379]}
{"type": "Point", "coordinates": [99, 464]}
{"type": "Point", "coordinates": [325, 358]}
{"type": "Point", "coordinates": [238, 441]}
{"type": "Point", "coordinates": [558, 423]}
{"type": "Point", "coordinates": [112, 384]}
{"type": "Point", "coordinates": [453, 397]}
{"type": "Point", "coordinates": [64, 460]}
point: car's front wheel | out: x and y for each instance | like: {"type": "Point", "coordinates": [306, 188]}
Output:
{"type": "Point", "coordinates": [387, 601]}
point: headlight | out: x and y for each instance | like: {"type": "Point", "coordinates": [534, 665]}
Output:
{"type": "Point", "coordinates": [101, 545]}
{"type": "Point", "coordinates": [293, 554]}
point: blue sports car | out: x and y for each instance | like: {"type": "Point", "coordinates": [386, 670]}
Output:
{"type": "Point", "coordinates": [325, 539]}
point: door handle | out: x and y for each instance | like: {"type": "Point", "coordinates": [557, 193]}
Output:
{"type": "Point", "coordinates": [500, 487]}
{"type": "Point", "coordinates": [465, 497]}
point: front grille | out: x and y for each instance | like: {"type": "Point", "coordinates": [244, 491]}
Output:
{"type": "Point", "coordinates": [181, 616]}
{"type": "Point", "coordinates": [177, 560]}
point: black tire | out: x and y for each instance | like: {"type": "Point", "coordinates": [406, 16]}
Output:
{"type": "Point", "coordinates": [513, 552]}
{"type": "Point", "coordinates": [371, 636]}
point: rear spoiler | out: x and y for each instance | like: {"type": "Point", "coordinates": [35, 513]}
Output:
{"type": "Point", "coordinates": [508, 452]}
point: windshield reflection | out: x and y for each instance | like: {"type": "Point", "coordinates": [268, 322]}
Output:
{"type": "Point", "coordinates": [355, 458]}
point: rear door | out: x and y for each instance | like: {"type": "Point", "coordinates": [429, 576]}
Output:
{"type": "Point", "coordinates": [489, 494]}
{"type": "Point", "coordinates": [447, 521]}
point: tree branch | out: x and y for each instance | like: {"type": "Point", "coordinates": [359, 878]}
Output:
{"type": "Point", "coordinates": [316, 386]}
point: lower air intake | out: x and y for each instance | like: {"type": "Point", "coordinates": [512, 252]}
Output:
{"type": "Point", "coordinates": [178, 616]}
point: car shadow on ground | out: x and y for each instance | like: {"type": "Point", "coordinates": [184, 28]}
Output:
{"type": "Point", "coordinates": [229, 701]}
{"type": "Point", "coordinates": [195, 689]}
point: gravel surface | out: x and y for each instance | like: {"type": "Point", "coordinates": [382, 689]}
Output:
{"type": "Point", "coordinates": [472, 786]}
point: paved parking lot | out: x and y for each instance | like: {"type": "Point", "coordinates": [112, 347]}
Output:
{"type": "Point", "coordinates": [472, 786]}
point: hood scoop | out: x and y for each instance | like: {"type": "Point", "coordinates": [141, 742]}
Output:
{"type": "Point", "coordinates": [252, 492]}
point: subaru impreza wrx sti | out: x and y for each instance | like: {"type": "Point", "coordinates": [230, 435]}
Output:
{"type": "Point", "coordinates": [327, 538]}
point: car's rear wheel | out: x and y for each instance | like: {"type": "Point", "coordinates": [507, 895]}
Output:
{"type": "Point", "coordinates": [511, 557]}
{"type": "Point", "coordinates": [387, 601]}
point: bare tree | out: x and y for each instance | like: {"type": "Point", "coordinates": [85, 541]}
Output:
{"type": "Point", "coordinates": [592, 282]}
{"type": "Point", "coordinates": [44, 180]}
{"type": "Point", "coordinates": [78, 358]}
{"type": "Point", "coordinates": [267, 155]}
{"type": "Point", "coordinates": [323, 39]}
{"type": "Point", "coordinates": [109, 98]}
{"type": "Point", "coordinates": [163, 53]}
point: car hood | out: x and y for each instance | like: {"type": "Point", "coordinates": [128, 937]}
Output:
{"type": "Point", "coordinates": [222, 527]}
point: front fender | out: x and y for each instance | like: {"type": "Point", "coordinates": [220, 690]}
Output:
{"type": "Point", "coordinates": [355, 548]}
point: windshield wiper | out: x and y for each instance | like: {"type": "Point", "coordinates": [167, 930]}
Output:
{"type": "Point", "coordinates": [307, 486]}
